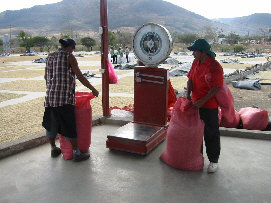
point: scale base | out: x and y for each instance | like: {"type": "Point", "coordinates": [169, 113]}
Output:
{"type": "Point", "coordinates": [136, 138]}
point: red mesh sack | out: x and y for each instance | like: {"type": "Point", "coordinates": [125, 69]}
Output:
{"type": "Point", "coordinates": [169, 112]}
{"type": "Point", "coordinates": [230, 122]}
{"type": "Point", "coordinates": [172, 98]}
{"type": "Point", "coordinates": [82, 99]}
{"type": "Point", "coordinates": [184, 138]}
{"type": "Point", "coordinates": [83, 118]}
{"type": "Point", "coordinates": [113, 78]}
{"type": "Point", "coordinates": [230, 118]}
{"type": "Point", "coordinates": [253, 118]}
{"type": "Point", "coordinates": [66, 147]}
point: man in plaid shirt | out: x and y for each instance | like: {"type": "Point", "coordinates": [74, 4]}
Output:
{"type": "Point", "coordinates": [59, 116]}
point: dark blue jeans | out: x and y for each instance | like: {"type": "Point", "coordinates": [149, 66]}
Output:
{"type": "Point", "coordinates": [211, 133]}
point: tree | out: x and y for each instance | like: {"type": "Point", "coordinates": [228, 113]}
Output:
{"type": "Point", "coordinates": [263, 32]}
{"type": "Point", "coordinates": [27, 44]}
{"type": "Point", "coordinates": [210, 33]}
{"type": "Point", "coordinates": [233, 38]}
{"type": "Point", "coordinates": [238, 48]}
{"type": "Point", "coordinates": [40, 42]}
{"type": "Point", "coordinates": [175, 36]}
{"type": "Point", "coordinates": [221, 36]}
{"type": "Point", "coordinates": [54, 42]}
{"type": "Point", "coordinates": [25, 40]}
{"type": "Point", "coordinates": [188, 38]}
{"type": "Point", "coordinates": [23, 35]}
{"type": "Point", "coordinates": [111, 38]}
{"type": "Point", "coordinates": [88, 42]}
{"type": "Point", "coordinates": [124, 38]}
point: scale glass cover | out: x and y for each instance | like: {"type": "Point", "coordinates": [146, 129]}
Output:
{"type": "Point", "coordinates": [152, 44]}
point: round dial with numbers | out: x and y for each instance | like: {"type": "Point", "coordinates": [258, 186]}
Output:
{"type": "Point", "coordinates": [152, 44]}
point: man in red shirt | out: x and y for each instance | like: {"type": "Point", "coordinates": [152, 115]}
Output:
{"type": "Point", "coordinates": [204, 80]}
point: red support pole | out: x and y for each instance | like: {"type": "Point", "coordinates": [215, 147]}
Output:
{"type": "Point", "coordinates": [104, 57]}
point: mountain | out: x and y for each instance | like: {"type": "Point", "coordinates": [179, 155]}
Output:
{"type": "Point", "coordinates": [254, 23]}
{"type": "Point", "coordinates": [84, 15]}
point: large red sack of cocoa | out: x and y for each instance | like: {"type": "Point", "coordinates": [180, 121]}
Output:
{"type": "Point", "coordinates": [253, 118]}
{"type": "Point", "coordinates": [184, 138]}
{"type": "Point", "coordinates": [83, 118]}
{"type": "Point", "coordinates": [230, 118]}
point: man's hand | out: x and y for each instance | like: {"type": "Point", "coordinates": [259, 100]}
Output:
{"type": "Point", "coordinates": [199, 103]}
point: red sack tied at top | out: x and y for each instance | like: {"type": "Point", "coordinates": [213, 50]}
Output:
{"type": "Point", "coordinates": [230, 118]}
{"type": "Point", "coordinates": [184, 138]}
{"type": "Point", "coordinates": [83, 118]}
{"type": "Point", "coordinates": [253, 118]}
{"type": "Point", "coordinates": [113, 78]}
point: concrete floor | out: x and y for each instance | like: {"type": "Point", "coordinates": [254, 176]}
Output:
{"type": "Point", "coordinates": [244, 175]}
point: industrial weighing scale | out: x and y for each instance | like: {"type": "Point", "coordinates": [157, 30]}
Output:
{"type": "Point", "coordinates": [152, 45]}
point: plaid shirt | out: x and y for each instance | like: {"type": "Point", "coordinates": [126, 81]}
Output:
{"type": "Point", "coordinates": [60, 80]}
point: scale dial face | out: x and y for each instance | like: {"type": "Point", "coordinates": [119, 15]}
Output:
{"type": "Point", "coordinates": [152, 44]}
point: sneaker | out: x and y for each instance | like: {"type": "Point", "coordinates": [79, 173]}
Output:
{"type": "Point", "coordinates": [80, 157]}
{"type": "Point", "coordinates": [55, 152]}
{"type": "Point", "coordinates": [212, 168]}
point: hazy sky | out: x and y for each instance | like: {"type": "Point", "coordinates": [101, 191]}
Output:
{"type": "Point", "coordinates": [20, 4]}
{"type": "Point", "coordinates": [224, 8]}
{"type": "Point", "coordinates": [207, 8]}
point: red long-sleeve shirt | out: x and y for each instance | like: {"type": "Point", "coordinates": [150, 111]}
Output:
{"type": "Point", "coordinates": [204, 76]}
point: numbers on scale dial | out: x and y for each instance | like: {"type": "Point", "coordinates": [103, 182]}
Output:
{"type": "Point", "coordinates": [150, 44]}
